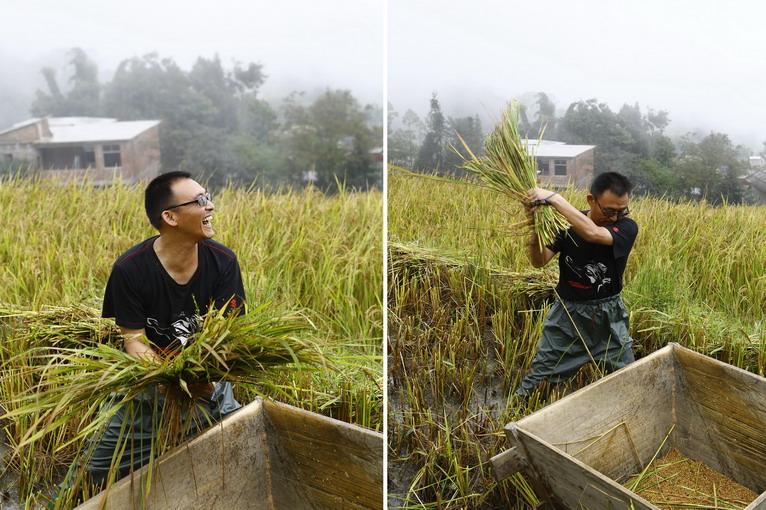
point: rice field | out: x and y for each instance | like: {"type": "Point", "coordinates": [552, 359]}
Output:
{"type": "Point", "coordinates": [465, 311]}
{"type": "Point", "coordinates": [303, 254]}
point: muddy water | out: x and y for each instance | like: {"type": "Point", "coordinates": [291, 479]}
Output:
{"type": "Point", "coordinates": [9, 493]}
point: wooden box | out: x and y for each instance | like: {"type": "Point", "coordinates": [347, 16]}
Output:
{"type": "Point", "coordinates": [266, 456]}
{"type": "Point", "coordinates": [575, 451]}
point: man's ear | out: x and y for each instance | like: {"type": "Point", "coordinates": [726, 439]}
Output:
{"type": "Point", "coordinates": [169, 218]}
{"type": "Point", "coordinates": [591, 199]}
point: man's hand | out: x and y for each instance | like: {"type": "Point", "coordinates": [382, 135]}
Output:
{"type": "Point", "coordinates": [539, 196]}
{"type": "Point", "coordinates": [199, 390]}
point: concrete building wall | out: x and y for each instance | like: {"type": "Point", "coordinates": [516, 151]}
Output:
{"type": "Point", "coordinates": [143, 156]}
{"type": "Point", "coordinates": [17, 144]}
{"type": "Point", "coordinates": [582, 169]}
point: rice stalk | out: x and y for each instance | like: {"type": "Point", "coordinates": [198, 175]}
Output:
{"type": "Point", "coordinates": [73, 383]}
{"type": "Point", "coordinates": [508, 167]}
{"type": "Point", "coordinates": [62, 326]}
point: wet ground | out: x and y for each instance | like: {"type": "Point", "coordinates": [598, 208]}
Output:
{"type": "Point", "coordinates": [9, 493]}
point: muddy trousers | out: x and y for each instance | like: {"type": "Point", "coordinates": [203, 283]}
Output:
{"type": "Point", "coordinates": [576, 333]}
{"type": "Point", "coordinates": [131, 429]}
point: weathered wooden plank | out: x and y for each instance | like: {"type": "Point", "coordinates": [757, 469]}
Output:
{"type": "Point", "coordinates": [332, 461]}
{"type": "Point", "coordinates": [226, 467]}
{"type": "Point", "coordinates": [266, 456]}
{"type": "Point", "coordinates": [572, 484]}
{"type": "Point", "coordinates": [758, 504]}
{"type": "Point", "coordinates": [616, 424]}
{"type": "Point", "coordinates": [507, 463]}
{"type": "Point", "coordinates": [578, 448]}
{"type": "Point", "coordinates": [722, 418]}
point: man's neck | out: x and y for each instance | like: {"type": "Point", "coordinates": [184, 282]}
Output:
{"type": "Point", "coordinates": [178, 257]}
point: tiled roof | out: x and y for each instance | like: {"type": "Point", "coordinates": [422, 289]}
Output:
{"type": "Point", "coordinates": [757, 180]}
{"type": "Point", "coordinates": [551, 149]}
{"type": "Point", "coordinates": [87, 129]}
{"type": "Point", "coordinates": [93, 129]}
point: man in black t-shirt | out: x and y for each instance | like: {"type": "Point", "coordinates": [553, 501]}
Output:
{"type": "Point", "coordinates": [588, 321]}
{"type": "Point", "coordinates": [156, 291]}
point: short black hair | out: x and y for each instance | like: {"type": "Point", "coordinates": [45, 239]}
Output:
{"type": "Point", "coordinates": [158, 195]}
{"type": "Point", "coordinates": [611, 181]}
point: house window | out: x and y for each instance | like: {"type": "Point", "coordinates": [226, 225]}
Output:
{"type": "Point", "coordinates": [89, 155]}
{"type": "Point", "coordinates": [112, 156]}
{"type": "Point", "coordinates": [542, 166]}
{"type": "Point", "coordinates": [560, 166]}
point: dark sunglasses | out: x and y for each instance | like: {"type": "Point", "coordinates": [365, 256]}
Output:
{"type": "Point", "coordinates": [200, 201]}
{"type": "Point", "coordinates": [611, 212]}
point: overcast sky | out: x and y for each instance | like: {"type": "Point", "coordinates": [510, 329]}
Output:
{"type": "Point", "coordinates": [302, 44]}
{"type": "Point", "coordinates": [701, 60]}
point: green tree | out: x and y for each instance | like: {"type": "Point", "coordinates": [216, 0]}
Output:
{"type": "Point", "coordinates": [431, 153]}
{"type": "Point", "coordinates": [204, 111]}
{"type": "Point", "coordinates": [657, 179]}
{"type": "Point", "coordinates": [469, 130]}
{"type": "Point", "coordinates": [330, 140]}
{"type": "Point", "coordinates": [404, 143]}
{"type": "Point", "coordinates": [631, 119]}
{"type": "Point", "coordinates": [545, 119]}
{"type": "Point", "coordinates": [662, 149]}
{"type": "Point", "coordinates": [593, 123]}
{"type": "Point", "coordinates": [84, 96]}
{"type": "Point", "coordinates": [710, 169]}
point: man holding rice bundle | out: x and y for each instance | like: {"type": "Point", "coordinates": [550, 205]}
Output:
{"type": "Point", "coordinates": [156, 291]}
{"type": "Point", "coordinates": [588, 321]}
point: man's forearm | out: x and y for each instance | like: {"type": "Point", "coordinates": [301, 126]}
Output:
{"type": "Point", "coordinates": [580, 222]}
{"type": "Point", "coordinates": [139, 349]}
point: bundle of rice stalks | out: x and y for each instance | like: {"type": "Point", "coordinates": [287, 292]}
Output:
{"type": "Point", "coordinates": [509, 167]}
{"type": "Point", "coordinates": [256, 348]}
{"type": "Point", "coordinates": [533, 284]}
{"type": "Point", "coordinates": [413, 258]}
{"type": "Point", "coordinates": [63, 326]}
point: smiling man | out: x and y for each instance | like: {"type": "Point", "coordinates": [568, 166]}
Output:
{"type": "Point", "coordinates": [588, 321]}
{"type": "Point", "coordinates": [157, 291]}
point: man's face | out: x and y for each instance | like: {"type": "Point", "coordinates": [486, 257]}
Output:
{"type": "Point", "coordinates": [192, 219]}
{"type": "Point", "coordinates": [608, 207]}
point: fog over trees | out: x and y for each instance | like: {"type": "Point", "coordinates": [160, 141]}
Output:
{"type": "Point", "coordinates": [631, 141]}
{"type": "Point", "coordinates": [215, 125]}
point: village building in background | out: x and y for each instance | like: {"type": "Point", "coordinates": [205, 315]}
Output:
{"type": "Point", "coordinates": [560, 165]}
{"type": "Point", "coordinates": [756, 181]}
{"type": "Point", "coordinates": [70, 148]}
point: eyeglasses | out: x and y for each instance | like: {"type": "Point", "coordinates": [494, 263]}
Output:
{"type": "Point", "coordinates": [200, 201]}
{"type": "Point", "coordinates": [621, 213]}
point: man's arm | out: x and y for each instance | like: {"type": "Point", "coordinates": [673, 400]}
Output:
{"type": "Point", "coordinates": [135, 347]}
{"type": "Point", "coordinates": [133, 344]}
{"type": "Point", "coordinates": [580, 222]}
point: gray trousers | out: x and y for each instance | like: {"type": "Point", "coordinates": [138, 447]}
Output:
{"type": "Point", "coordinates": [576, 333]}
{"type": "Point", "coordinates": [131, 430]}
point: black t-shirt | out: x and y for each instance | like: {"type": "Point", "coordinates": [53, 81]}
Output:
{"type": "Point", "coordinates": [141, 294]}
{"type": "Point", "coordinates": [593, 271]}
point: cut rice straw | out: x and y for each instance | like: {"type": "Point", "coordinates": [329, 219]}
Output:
{"type": "Point", "coordinates": [509, 167]}
{"type": "Point", "coordinates": [643, 471]}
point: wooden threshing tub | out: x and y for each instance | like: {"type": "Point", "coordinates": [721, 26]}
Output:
{"type": "Point", "coordinates": [575, 451]}
{"type": "Point", "coordinates": [266, 456]}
